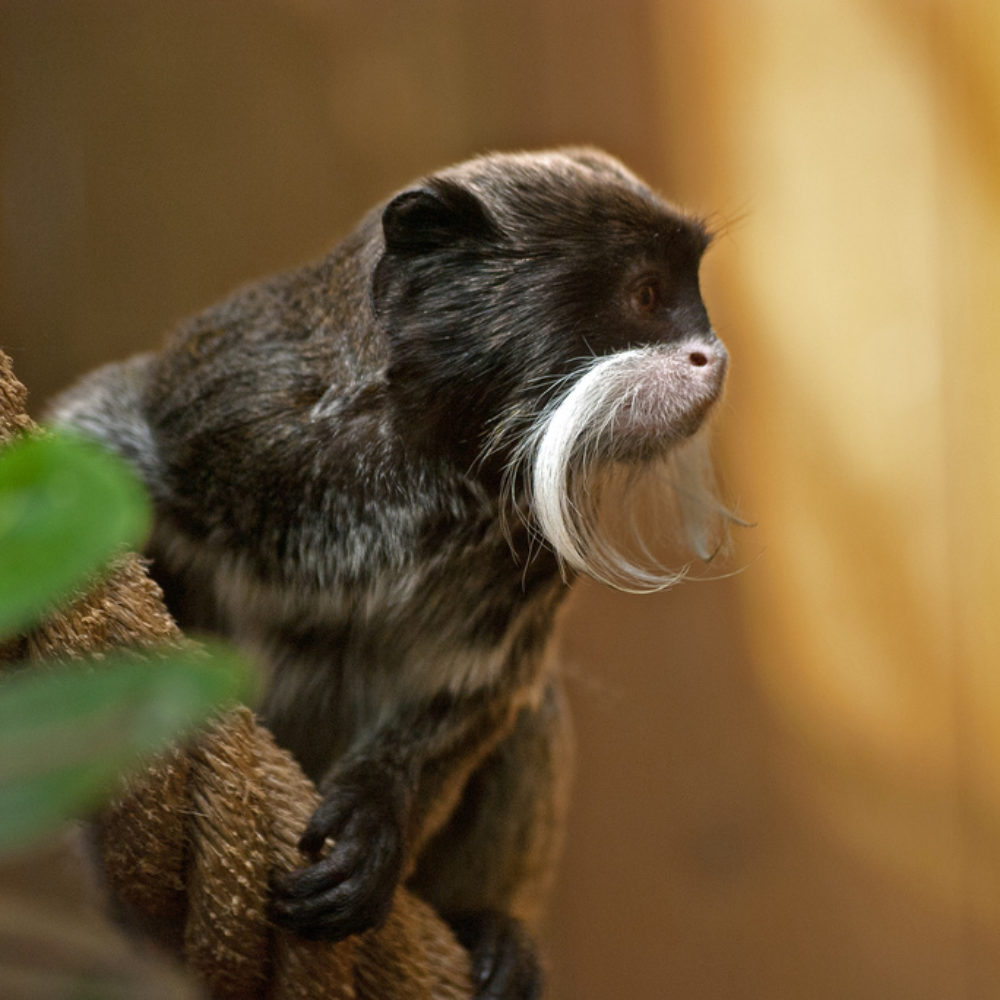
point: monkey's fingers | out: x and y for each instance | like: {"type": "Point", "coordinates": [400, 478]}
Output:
{"type": "Point", "coordinates": [326, 822]}
{"type": "Point", "coordinates": [316, 837]}
{"type": "Point", "coordinates": [349, 908]}
{"type": "Point", "coordinates": [363, 802]}
{"type": "Point", "coordinates": [338, 865]}
{"type": "Point", "coordinates": [347, 892]}
{"type": "Point", "coordinates": [505, 964]}
{"type": "Point", "coordinates": [350, 889]}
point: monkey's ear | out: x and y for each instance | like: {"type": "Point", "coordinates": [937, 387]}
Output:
{"type": "Point", "coordinates": [436, 215]}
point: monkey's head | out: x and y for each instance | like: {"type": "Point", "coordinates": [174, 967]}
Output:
{"type": "Point", "coordinates": [546, 329]}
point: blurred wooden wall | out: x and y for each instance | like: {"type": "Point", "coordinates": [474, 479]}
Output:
{"type": "Point", "coordinates": [787, 781]}
{"type": "Point", "coordinates": [861, 140]}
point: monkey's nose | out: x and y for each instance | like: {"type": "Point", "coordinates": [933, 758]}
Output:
{"type": "Point", "coordinates": [708, 356]}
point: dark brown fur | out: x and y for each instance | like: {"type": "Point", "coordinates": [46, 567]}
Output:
{"type": "Point", "coordinates": [316, 448]}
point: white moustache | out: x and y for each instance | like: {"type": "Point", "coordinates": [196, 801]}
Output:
{"type": "Point", "coordinates": [643, 409]}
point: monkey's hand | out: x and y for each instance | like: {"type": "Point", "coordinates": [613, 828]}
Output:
{"type": "Point", "coordinates": [380, 803]}
{"type": "Point", "coordinates": [348, 889]}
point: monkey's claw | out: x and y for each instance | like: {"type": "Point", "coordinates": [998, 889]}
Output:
{"type": "Point", "coordinates": [505, 964]}
{"type": "Point", "coordinates": [348, 890]}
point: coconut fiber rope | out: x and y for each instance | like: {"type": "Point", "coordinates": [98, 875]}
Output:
{"type": "Point", "coordinates": [188, 848]}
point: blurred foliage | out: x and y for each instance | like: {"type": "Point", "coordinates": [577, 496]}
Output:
{"type": "Point", "coordinates": [69, 731]}
{"type": "Point", "coordinates": [66, 506]}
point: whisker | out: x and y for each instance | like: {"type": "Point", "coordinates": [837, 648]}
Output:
{"type": "Point", "coordinates": [560, 464]}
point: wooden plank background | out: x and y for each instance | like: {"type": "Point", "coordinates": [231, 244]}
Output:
{"type": "Point", "coordinates": [787, 781]}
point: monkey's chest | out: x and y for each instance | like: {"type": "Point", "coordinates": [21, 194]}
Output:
{"type": "Point", "coordinates": [372, 656]}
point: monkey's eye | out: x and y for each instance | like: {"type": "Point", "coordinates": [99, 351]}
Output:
{"type": "Point", "coordinates": [646, 296]}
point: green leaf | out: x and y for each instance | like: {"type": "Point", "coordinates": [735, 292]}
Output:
{"type": "Point", "coordinates": [68, 732]}
{"type": "Point", "coordinates": [66, 507]}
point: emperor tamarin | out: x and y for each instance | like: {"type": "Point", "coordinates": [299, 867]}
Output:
{"type": "Point", "coordinates": [380, 472]}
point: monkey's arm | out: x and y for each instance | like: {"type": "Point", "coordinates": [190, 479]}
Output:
{"type": "Point", "coordinates": [381, 803]}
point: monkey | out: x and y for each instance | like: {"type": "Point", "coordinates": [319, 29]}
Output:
{"type": "Point", "coordinates": [382, 472]}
